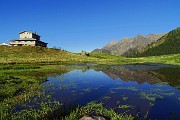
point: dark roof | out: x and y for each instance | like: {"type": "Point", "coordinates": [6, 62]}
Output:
{"type": "Point", "coordinates": [42, 42]}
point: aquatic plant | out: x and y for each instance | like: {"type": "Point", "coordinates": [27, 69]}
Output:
{"type": "Point", "coordinates": [87, 89]}
{"type": "Point", "coordinates": [111, 91]}
{"type": "Point", "coordinates": [151, 104]}
{"type": "Point", "coordinates": [93, 108]}
{"type": "Point", "coordinates": [178, 98]}
{"type": "Point", "coordinates": [150, 97]}
{"type": "Point", "coordinates": [125, 106]}
{"type": "Point", "coordinates": [19, 85]}
{"type": "Point", "coordinates": [126, 88]}
{"type": "Point", "coordinates": [106, 97]}
{"type": "Point", "coordinates": [124, 98]}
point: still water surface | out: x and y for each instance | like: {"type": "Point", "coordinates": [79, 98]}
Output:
{"type": "Point", "coordinates": [149, 91]}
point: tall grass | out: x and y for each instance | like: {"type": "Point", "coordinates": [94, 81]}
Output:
{"type": "Point", "coordinates": [96, 109]}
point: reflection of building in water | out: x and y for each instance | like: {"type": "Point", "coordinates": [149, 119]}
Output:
{"type": "Point", "coordinates": [28, 39]}
{"type": "Point", "coordinates": [140, 76]}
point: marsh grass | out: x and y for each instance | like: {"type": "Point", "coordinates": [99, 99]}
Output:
{"type": "Point", "coordinates": [19, 84]}
{"type": "Point", "coordinates": [126, 106]}
{"type": "Point", "coordinates": [178, 98]}
{"type": "Point", "coordinates": [124, 98]}
{"type": "Point", "coordinates": [106, 97]}
{"type": "Point", "coordinates": [151, 97]}
{"type": "Point", "coordinates": [87, 89]}
{"type": "Point", "coordinates": [93, 108]}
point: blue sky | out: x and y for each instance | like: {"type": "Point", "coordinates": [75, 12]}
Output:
{"type": "Point", "coordinates": [76, 25]}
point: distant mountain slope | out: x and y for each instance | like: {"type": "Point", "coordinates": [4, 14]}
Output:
{"type": "Point", "coordinates": [168, 44]}
{"type": "Point", "coordinates": [110, 44]}
{"type": "Point", "coordinates": [129, 46]}
{"type": "Point", "coordinates": [101, 51]}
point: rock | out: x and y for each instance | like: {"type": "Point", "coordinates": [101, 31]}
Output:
{"type": "Point", "coordinates": [92, 118]}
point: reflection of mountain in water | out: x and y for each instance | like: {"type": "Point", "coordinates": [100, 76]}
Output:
{"type": "Point", "coordinates": [126, 74]}
{"type": "Point", "coordinates": [152, 73]}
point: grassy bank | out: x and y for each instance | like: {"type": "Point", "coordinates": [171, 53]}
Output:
{"type": "Point", "coordinates": [23, 69]}
{"type": "Point", "coordinates": [95, 109]}
{"type": "Point", "coordinates": [19, 83]}
{"type": "Point", "coordinates": [27, 54]}
{"type": "Point", "coordinates": [22, 84]}
{"type": "Point", "coordinates": [34, 55]}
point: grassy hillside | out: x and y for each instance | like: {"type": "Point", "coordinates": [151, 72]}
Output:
{"type": "Point", "coordinates": [173, 59]}
{"type": "Point", "coordinates": [21, 55]}
{"type": "Point", "coordinates": [168, 44]}
{"type": "Point", "coordinates": [27, 54]}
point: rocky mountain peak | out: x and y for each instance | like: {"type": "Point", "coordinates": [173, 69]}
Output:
{"type": "Point", "coordinates": [127, 46]}
{"type": "Point", "coordinates": [111, 43]}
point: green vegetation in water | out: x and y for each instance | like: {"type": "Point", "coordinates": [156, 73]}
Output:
{"type": "Point", "coordinates": [111, 91]}
{"type": "Point", "coordinates": [19, 84]}
{"type": "Point", "coordinates": [178, 98]}
{"type": "Point", "coordinates": [150, 97]}
{"type": "Point", "coordinates": [124, 98]}
{"type": "Point", "coordinates": [93, 108]}
{"type": "Point", "coordinates": [106, 97]}
{"type": "Point", "coordinates": [126, 88]}
{"type": "Point", "coordinates": [125, 106]}
{"type": "Point", "coordinates": [87, 89]}
{"type": "Point", "coordinates": [117, 102]}
{"type": "Point", "coordinates": [151, 104]}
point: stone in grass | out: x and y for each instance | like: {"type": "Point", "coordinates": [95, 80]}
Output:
{"type": "Point", "coordinates": [92, 118]}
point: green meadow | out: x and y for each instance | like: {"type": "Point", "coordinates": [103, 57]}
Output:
{"type": "Point", "coordinates": [23, 69]}
{"type": "Point", "coordinates": [34, 55]}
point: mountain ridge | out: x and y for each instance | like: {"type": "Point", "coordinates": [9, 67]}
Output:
{"type": "Point", "coordinates": [129, 46]}
{"type": "Point", "coordinates": [167, 44]}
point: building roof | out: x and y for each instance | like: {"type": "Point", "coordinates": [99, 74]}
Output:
{"type": "Point", "coordinates": [23, 39]}
{"type": "Point", "coordinates": [29, 32]}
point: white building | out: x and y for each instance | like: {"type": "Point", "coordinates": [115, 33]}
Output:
{"type": "Point", "coordinates": [28, 39]}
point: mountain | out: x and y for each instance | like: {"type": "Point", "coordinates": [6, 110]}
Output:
{"type": "Point", "coordinates": [129, 46]}
{"type": "Point", "coordinates": [168, 44]}
{"type": "Point", "coordinates": [101, 51]}
{"type": "Point", "coordinates": [111, 43]}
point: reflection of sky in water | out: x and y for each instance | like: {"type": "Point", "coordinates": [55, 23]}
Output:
{"type": "Point", "coordinates": [77, 87]}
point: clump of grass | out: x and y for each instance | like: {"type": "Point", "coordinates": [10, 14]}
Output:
{"type": "Point", "coordinates": [106, 97]}
{"type": "Point", "coordinates": [19, 84]}
{"type": "Point", "coordinates": [93, 108]}
{"type": "Point", "coordinates": [151, 104]}
{"type": "Point", "coordinates": [111, 91]}
{"type": "Point", "coordinates": [87, 89]}
{"type": "Point", "coordinates": [125, 98]}
{"type": "Point", "coordinates": [126, 88]}
{"type": "Point", "coordinates": [150, 97]}
{"type": "Point", "coordinates": [125, 106]}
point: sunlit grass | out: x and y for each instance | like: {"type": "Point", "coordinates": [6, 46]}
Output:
{"type": "Point", "coordinates": [29, 55]}
{"type": "Point", "coordinates": [97, 109]}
